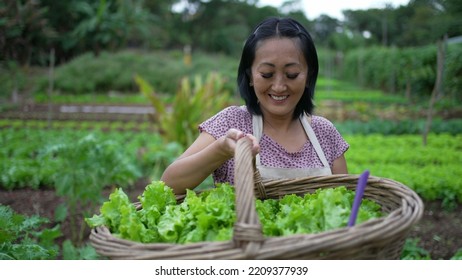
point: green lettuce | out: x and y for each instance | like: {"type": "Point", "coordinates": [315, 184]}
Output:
{"type": "Point", "coordinates": [210, 215]}
{"type": "Point", "coordinates": [110, 211]}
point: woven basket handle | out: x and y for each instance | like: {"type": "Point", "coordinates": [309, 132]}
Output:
{"type": "Point", "coordinates": [247, 229]}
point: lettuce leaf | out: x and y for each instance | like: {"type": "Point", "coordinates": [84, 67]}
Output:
{"type": "Point", "coordinates": [210, 215]}
{"type": "Point", "coordinates": [326, 209]}
{"type": "Point", "coordinates": [110, 211]}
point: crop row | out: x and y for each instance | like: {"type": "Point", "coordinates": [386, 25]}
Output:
{"type": "Point", "coordinates": [34, 158]}
{"type": "Point", "coordinates": [433, 170]}
{"type": "Point", "coordinates": [386, 127]}
{"type": "Point", "coordinates": [79, 125]}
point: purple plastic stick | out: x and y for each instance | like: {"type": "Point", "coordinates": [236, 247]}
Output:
{"type": "Point", "coordinates": [362, 182]}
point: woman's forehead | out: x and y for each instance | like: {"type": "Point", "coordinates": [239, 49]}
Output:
{"type": "Point", "coordinates": [279, 49]}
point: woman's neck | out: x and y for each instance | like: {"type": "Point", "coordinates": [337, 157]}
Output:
{"type": "Point", "coordinates": [281, 124]}
{"type": "Point", "coordinates": [288, 133]}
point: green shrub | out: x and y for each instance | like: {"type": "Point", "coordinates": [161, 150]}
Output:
{"type": "Point", "coordinates": [193, 103]}
{"type": "Point", "coordinates": [453, 72]}
{"type": "Point", "coordinates": [457, 255]}
{"type": "Point", "coordinates": [115, 71]}
{"type": "Point", "coordinates": [398, 70]}
{"type": "Point", "coordinates": [25, 238]}
{"type": "Point", "coordinates": [412, 250]}
{"type": "Point", "coordinates": [83, 168]}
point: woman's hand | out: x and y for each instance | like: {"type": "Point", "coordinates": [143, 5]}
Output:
{"type": "Point", "coordinates": [203, 157]}
{"type": "Point", "coordinates": [232, 136]}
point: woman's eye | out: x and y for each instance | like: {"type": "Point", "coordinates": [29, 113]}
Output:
{"type": "Point", "coordinates": [292, 76]}
{"type": "Point", "coordinates": [288, 75]}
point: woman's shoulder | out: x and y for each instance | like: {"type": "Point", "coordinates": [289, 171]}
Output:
{"type": "Point", "coordinates": [234, 113]}
{"type": "Point", "coordinates": [230, 117]}
{"type": "Point", "coordinates": [319, 122]}
{"type": "Point", "coordinates": [229, 111]}
{"type": "Point", "coordinates": [236, 110]}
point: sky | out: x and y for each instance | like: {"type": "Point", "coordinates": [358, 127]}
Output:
{"type": "Point", "coordinates": [333, 8]}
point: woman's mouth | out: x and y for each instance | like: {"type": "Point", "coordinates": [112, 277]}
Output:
{"type": "Point", "coordinates": [278, 97]}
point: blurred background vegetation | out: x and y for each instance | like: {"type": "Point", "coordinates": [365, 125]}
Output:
{"type": "Point", "coordinates": [98, 45]}
{"type": "Point", "coordinates": [378, 72]}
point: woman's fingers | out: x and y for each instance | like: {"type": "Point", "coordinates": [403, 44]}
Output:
{"type": "Point", "coordinates": [255, 145]}
{"type": "Point", "coordinates": [233, 135]}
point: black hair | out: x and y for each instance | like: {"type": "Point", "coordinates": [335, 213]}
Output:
{"type": "Point", "coordinates": [270, 28]}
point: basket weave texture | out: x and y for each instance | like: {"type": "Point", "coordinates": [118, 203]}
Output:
{"type": "Point", "coordinates": [381, 238]}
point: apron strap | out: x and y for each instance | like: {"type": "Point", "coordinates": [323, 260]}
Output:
{"type": "Point", "coordinates": [314, 140]}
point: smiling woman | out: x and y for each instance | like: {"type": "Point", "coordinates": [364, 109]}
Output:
{"type": "Point", "coordinates": [276, 77]}
{"type": "Point", "coordinates": [279, 75]}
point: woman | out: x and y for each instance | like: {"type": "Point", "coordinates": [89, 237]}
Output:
{"type": "Point", "coordinates": [276, 78]}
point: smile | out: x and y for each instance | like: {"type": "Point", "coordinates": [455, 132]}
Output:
{"type": "Point", "coordinates": [278, 98]}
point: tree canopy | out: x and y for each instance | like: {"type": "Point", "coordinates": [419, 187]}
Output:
{"type": "Point", "coordinates": [29, 29]}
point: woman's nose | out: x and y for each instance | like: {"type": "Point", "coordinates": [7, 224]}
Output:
{"type": "Point", "coordinates": [279, 84]}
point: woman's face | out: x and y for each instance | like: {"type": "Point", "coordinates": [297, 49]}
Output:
{"type": "Point", "coordinates": [279, 75]}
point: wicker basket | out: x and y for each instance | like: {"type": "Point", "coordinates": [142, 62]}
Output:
{"type": "Point", "coordinates": [381, 238]}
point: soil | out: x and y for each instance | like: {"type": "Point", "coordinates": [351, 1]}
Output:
{"type": "Point", "coordinates": [439, 231]}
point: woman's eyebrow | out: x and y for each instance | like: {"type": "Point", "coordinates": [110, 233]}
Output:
{"type": "Point", "coordinates": [272, 65]}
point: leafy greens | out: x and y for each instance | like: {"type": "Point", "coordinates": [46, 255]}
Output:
{"type": "Point", "coordinates": [210, 215]}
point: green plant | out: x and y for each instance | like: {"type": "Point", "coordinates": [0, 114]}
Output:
{"type": "Point", "coordinates": [24, 238]}
{"type": "Point", "coordinates": [108, 24]}
{"type": "Point", "coordinates": [398, 127]}
{"type": "Point", "coordinates": [24, 31]}
{"type": "Point", "coordinates": [84, 168]}
{"type": "Point", "coordinates": [454, 72]}
{"type": "Point", "coordinates": [193, 102]}
{"type": "Point", "coordinates": [210, 215]}
{"type": "Point", "coordinates": [412, 251]}
{"type": "Point", "coordinates": [457, 255]}
{"type": "Point", "coordinates": [108, 78]}
{"type": "Point", "coordinates": [403, 158]}
{"type": "Point", "coordinates": [86, 252]}
{"type": "Point", "coordinates": [23, 162]}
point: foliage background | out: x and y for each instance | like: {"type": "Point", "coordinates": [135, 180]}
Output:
{"type": "Point", "coordinates": [89, 51]}
{"type": "Point", "coordinates": [375, 47]}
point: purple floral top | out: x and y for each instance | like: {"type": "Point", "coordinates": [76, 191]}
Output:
{"type": "Point", "coordinates": [271, 153]}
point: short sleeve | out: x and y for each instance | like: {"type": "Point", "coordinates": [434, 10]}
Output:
{"type": "Point", "coordinates": [231, 117]}
{"type": "Point", "coordinates": [218, 125]}
{"type": "Point", "coordinates": [330, 139]}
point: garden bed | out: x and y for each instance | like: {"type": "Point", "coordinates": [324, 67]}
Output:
{"type": "Point", "coordinates": [438, 230]}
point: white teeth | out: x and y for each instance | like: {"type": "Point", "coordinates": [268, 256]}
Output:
{"type": "Point", "coordinates": [279, 98]}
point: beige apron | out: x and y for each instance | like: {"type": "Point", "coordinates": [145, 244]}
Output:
{"type": "Point", "coordinates": [290, 173]}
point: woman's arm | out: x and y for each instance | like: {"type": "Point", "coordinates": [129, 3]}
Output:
{"type": "Point", "coordinates": [340, 166]}
{"type": "Point", "coordinates": [203, 157]}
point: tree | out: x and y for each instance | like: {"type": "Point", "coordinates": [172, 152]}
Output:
{"type": "Point", "coordinates": [380, 24]}
{"type": "Point", "coordinates": [24, 31]}
{"type": "Point", "coordinates": [324, 28]}
{"type": "Point", "coordinates": [108, 24]}
{"type": "Point", "coordinates": [220, 25]}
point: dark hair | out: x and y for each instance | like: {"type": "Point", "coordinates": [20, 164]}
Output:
{"type": "Point", "coordinates": [278, 27]}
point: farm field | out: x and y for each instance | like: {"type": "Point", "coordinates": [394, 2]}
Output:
{"type": "Point", "coordinates": [38, 157]}
{"type": "Point", "coordinates": [31, 191]}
